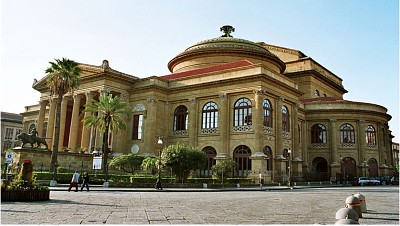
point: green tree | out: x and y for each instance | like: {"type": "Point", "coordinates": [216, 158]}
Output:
{"type": "Point", "coordinates": [182, 158]}
{"type": "Point", "coordinates": [222, 167]}
{"type": "Point", "coordinates": [127, 163]}
{"type": "Point", "coordinates": [107, 116]}
{"type": "Point", "coordinates": [63, 76]}
{"type": "Point", "coordinates": [150, 163]}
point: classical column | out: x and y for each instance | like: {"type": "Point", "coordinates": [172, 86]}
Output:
{"type": "Point", "coordinates": [42, 111]}
{"type": "Point", "coordinates": [192, 121]}
{"type": "Point", "coordinates": [74, 128]}
{"type": "Point", "coordinates": [334, 142]}
{"type": "Point", "coordinates": [381, 143]}
{"type": "Point", "coordinates": [86, 131]}
{"type": "Point", "coordinates": [257, 120]}
{"type": "Point", "coordinates": [50, 125]}
{"type": "Point", "coordinates": [64, 106]}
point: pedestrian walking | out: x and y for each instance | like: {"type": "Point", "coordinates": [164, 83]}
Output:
{"type": "Point", "coordinates": [85, 182]}
{"type": "Point", "coordinates": [74, 181]}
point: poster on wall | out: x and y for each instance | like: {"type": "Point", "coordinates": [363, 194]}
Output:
{"type": "Point", "coordinates": [97, 163]}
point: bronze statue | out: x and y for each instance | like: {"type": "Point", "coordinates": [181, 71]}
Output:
{"type": "Point", "coordinates": [31, 139]}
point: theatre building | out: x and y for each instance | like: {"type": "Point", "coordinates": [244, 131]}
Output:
{"type": "Point", "coordinates": [271, 109]}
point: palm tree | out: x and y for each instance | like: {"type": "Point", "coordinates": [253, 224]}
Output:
{"type": "Point", "coordinates": [107, 117]}
{"type": "Point", "coordinates": [63, 76]}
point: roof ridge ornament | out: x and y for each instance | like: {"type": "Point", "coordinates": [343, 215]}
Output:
{"type": "Point", "coordinates": [227, 29]}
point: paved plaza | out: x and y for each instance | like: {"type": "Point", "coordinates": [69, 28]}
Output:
{"type": "Point", "coordinates": [296, 206]}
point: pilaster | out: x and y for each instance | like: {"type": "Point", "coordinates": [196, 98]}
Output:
{"type": "Point", "coordinates": [50, 125]}
{"type": "Point", "coordinates": [192, 121]}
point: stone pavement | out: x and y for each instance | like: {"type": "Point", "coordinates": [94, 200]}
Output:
{"type": "Point", "coordinates": [240, 206]}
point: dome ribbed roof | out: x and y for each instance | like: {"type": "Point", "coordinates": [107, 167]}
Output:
{"type": "Point", "coordinates": [226, 45]}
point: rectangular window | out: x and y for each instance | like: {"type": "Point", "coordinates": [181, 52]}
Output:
{"type": "Point", "coordinates": [9, 134]}
{"type": "Point", "coordinates": [137, 127]}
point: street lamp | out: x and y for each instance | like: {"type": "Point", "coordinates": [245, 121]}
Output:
{"type": "Point", "coordinates": [158, 183]}
{"type": "Point", "coordinates": [290, 162]}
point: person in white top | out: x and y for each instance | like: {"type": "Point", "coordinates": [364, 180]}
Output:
{"type": "Point", "coordinates": [74, 181]}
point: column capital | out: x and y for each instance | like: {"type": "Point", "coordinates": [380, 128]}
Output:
{"type": "Point", "coordinates": [332, 120]}
{"type": "Point", "coordinates": [151, 100]}
{"type": "Point", "coordinates": [105, 91]}
{"type": "Point", "coordinates": [222, 96]}
{"type": "Point", "coordinates": [77, 97]}
{"type": "Point", "coordinates": [192, 100]}
{"type": "Point", "coordinates": [259, 92]}
{"type": "Point", "coordinates": [280, 99]}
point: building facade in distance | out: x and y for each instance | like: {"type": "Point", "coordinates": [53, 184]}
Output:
{"type": "Point", "coordinates": [11, 126]}
{"type": "Point", "coordinates": [271, 109]}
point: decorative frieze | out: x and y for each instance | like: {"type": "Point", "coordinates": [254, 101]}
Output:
{"type": "Point", "coordinates": [180, 133]}
{"type": "Point", "coordinates": [319, 145]}
{"type": "Point", "coordinates": [268, 130]}
{"type": "Point", "coordinates": [347, 145]}
{"type": "Point", "coordinates": [209, 130]}
{"type": "Point", "coordinates": [242, 128]}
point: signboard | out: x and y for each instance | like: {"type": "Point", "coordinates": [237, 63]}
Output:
{"type": "Point", "coordinates": [9, 157]}
{"type": "Point", "coordinates": [97, 162]}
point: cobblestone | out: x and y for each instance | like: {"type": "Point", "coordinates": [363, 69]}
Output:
{"type": "Point", "coordinates": [297, 206]}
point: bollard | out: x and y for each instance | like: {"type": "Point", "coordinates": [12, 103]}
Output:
{"type": "Point", "coordinates": [363, 203]}
{"type": "Point", "coordinates": [346, 213]}
{"type": "Point", "coordinates": [354, 203]}
{"type": "Point", "coordinates": [346, 221]}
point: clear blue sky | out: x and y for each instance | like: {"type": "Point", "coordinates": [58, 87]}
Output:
{"type": "Point", "coordinates": [358, 40]}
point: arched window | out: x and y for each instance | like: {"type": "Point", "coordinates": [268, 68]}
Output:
{"type": "Point", "coordinates": [316, 93]}
{"type": "Point", "coordinates": [210, 153]}
{"type": "Point", "coordinates": [242, 112]}
{"type": "Point", "coordinates": [370, 135]}
{"type": "Point", "coordinates": [181, 118]}
{"type": "Point", "coordinates": [267, 109]}
{"type": "Point", "coordinates": [318, 134]}
{"type": "Point", "coordinates": [209, 116]}
{"type": "Point", "coordinates": [347, 134]}
{"type": "Point", "coordinates": [268, 152]}
{"type": "Point", "coordinates": [241, 156]}
{"type": "Point", "coordinates": [285, 119]}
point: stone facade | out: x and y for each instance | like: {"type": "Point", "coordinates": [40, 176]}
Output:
{"type": "Point", "coordinates": [272, 109]}
{"type": "Point", "coordinates": [11, 126]}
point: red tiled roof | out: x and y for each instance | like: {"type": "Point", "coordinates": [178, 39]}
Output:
{"type": "Point", "coordinates": [219, 67]}
{"type": "Point", "coordinates": [321, 99]}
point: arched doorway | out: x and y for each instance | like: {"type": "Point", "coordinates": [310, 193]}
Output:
{"type": "Point", "coordinates": [319, 170]}
{"type": "Point", "coordinates": [372, 168]}
{"type": "Point", "coordinates": [241, 156]}
{"type": "Point", "coordinates": [348, 168]}
{"type": "Point", "coordinates": [210, 153]}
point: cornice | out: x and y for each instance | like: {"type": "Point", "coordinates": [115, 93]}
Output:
{"type": "Point", "coordinates": [317, 75]}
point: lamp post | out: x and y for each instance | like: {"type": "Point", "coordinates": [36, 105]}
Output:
{"type": "Point", "coordinates": [158, 183]}
{"type": "Point", "coordinates": [290, 162]}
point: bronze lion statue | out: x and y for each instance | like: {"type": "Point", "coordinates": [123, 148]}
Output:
{"type": "Point", "coordinates": [27, 138]}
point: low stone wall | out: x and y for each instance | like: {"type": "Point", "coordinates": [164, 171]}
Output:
{"type": "Point", "coordinates": [41, 159]}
